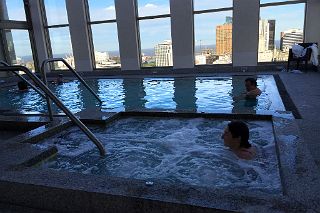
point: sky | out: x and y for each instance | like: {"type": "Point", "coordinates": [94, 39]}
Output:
{"type": "Point", "coordinates": [153, 31]}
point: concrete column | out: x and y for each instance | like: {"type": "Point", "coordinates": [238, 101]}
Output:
{"type": "Point", "coordinates": [38, 31]}
{"type": "Point", "coordinates": [128, 34]}
{"type": "Point", "coordinates": [79, 35]}
{"type": "Point", "coordinates": [312, 29]}
{"type": "Point", "coordinates": [182, 33]}
{"type": "Point", "coordinates": [245, 32]}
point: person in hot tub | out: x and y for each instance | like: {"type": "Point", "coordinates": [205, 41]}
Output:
{"type": "Point", "coordinates": [236, 137]}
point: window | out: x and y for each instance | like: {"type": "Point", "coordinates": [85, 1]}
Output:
{"type": "Point", "coordinates": [155, 33]}
{"type": "Point", "coordinates": [12, 10]}
{"type": "Point", "coordinates": [280, 26]}
{"type": "Point", "coordinates": [213, 32]}
{"type": "Point", "coordinates": [57, 27]}
{"type": "Point", "coordinates": [104, 33]}
{"type": "Point", "coordinates": [16, 39]}
{"type": "Point", "coordinates": [19, 48]}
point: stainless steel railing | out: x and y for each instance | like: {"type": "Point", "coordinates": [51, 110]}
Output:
{"type": "Point", "coordinates": [56, 100]}
{"type": "Point", "coordinates": [23, 79]}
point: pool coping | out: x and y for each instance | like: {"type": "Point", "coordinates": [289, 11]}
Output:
{"type": "Point", "coordinates": [45, 188]}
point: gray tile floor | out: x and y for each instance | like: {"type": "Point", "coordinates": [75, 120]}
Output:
{"type": "Point", "coordinates": [304, 90]}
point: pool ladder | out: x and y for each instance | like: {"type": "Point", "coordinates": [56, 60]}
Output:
{"type": "Point", "coordinates": [49, 95]}
{"type": "Point", "coordinates": [44, 79]}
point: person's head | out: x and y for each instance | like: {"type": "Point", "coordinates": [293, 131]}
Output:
{"type": "Point", "coordinates": [236, 135]}
{"type": "Point", "coordinates": [250, 84]}
{"type": "Point", "coordinates": [22, 86]}
{"type": "Point", "coordinates": [60, 79]}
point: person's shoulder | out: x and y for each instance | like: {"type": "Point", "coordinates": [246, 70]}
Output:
{"type": "Point", "coordinates": [247, 153]}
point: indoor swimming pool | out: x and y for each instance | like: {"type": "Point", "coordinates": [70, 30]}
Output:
{"type": "Point", "coordinates": [200, 94]}
{"type": "Point", "coordinates": [186, 151]}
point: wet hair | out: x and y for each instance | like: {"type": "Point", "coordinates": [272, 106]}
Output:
{"type": "Point", "coordinates": [22, 85]}
{"type": "Point", "coordinates": [253, 81]}
{"type": "Point", "coordinates": [240, 129]}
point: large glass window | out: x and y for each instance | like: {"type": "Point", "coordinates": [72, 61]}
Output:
{"type": "Point", "coordinates": [19, 48]}
{"type": "Point", "coordinates": [58, 31]}
{"type": "Point", "coordinates": [280, 26]}
{"type": "Point", "coordinates": [56, 12]}
{"type": "Point", "coordinates": [104, 33]}
{"type": "Point", "coordinates": [213, 32]}
{"type": "Point", "coordinates": [16, 40]}
{"type": "Point", "coordinates": [12, 10]}
{"type": "Point", "coordinates": [155, 33]}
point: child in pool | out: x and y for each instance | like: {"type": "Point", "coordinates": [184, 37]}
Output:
{"type": "Point", "coordinates": [236, 136]}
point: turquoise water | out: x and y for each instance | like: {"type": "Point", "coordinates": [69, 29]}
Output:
{"type": "Point", "coordinates": [201, 94]}
{"type": "Point", "coordinates": [171, 150]}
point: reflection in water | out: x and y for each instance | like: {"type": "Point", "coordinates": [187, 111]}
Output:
{"type": "Point", "coordinates": [89, 101]}
{"type": "Point", "coordinates": [159, 94]}
{"type": "Point", "coordinates": [70, 95]}
{"type": "Point", "coordinates": [111, 93]}
{"type": "Point", "coordinates": [214, 94]}
{"type": "Point", "coordinates": [200, 94]}
{"type": "Point", "coordinates": [134, 94]}
{"type": "Point", "coordinates": [185, 94]}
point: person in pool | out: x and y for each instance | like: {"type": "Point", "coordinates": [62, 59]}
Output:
{"type": "Point", "coordinates": [236, 137]}
{"type": "Point", "coordinates": [22, 86]}
{"type": "Point", "coordinates": [251, 86]}
{"type": "Point", "coordinates": [59, 79]}
{"type": "Point", "coordinates": [252, 91]}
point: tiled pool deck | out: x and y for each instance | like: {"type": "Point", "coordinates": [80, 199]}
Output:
{"type": "Point", "coordinates": [63, 191]}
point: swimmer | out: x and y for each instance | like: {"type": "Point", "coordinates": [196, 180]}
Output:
{"type": "Point", "coordinates": [252, 91]}
{"type": "Point", "coordinates": [59, 79]}
{"type": "Point", "coordinates": [251, 86]}
{"type": "Point", "coordinates": [22, 86]}
{"type": "Point", "coordinates": [236, 136]}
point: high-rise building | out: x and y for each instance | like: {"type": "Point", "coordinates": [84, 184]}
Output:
{"type": "Point", "coordinates": [163, 54]}
{"type": "Point", "coordinates": [272, 33]}
{"type": "Point", "coordinates": [266, 35]}
{"type": "Point", "coordinates": [290, 37]}
{"type": "Point", "coordinates": [224, 38]}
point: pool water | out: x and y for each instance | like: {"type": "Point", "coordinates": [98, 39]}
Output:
{"type": "Point", "coordinates": [176, 151]}
{"type": "Point", "coordinates": [201, 94]}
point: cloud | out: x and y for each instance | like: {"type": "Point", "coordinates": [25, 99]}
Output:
{"type": "Point", "coordinates": [150, 5]}
{"type": "Point", "coordinates": [112, 8]}
{"type": "Point", "coordinates": [152, 9]}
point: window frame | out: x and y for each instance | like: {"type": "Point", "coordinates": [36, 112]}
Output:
{"type": "Point", "coordinates": [19, 25]}
{"type": "Point", "coordinates": [138, 18]}
{"type": "Point", "coordinates": [215, 10]}
{"type": "Point", "coordinates": [90, 35]}
{"type": "Point", "coordinates": [281, 3]}
{"type": "Point", "coordinates": [47, 34]}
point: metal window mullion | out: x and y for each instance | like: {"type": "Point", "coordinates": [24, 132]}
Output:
{"type": "Point", "coordinates": [103, 21]}
{"type": "Point", "coordinates": [154, 17]}
{"type": "Point", "coordinates": [282, 3]}
{"type": "Point", "coordinates": [56, 26]}
{"type": "Point", "coordinates": [213, 10]}
{"type": "Point", "coordinates": [91, 47]}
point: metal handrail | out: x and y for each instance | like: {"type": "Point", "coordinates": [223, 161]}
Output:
{"type": "Point", "coordinates": [56, 100]}
{"type": "Point", "coordinates": [72, 70]}
{"type": "Point", "coordinates": [25, 80]}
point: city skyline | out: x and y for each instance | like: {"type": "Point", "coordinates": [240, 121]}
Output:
{"type": "Point", "coordinates": [150, 34]}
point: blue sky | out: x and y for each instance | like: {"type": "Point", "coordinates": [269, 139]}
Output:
{"type": "Point", "coordinates": [151, 31]}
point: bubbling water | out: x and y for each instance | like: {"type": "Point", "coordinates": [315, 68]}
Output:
{"type": "Point", "coordinates": [178, 151]}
